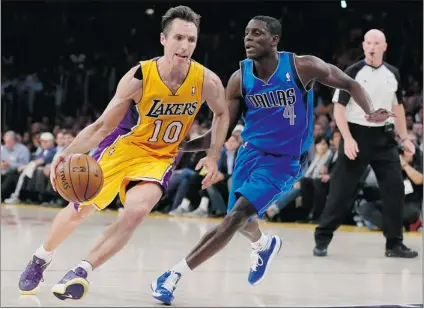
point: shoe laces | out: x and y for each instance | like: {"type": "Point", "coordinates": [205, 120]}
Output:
{"type": "Point", "coordinates": [256, 260]}
{"type": "Point", "coordinates": [170, 283]}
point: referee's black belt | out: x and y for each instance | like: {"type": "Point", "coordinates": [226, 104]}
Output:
{"type": "Point", "coordinates": [383, 128]}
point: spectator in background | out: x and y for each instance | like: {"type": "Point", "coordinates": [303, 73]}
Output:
{"type": "Point", "coordinates": [179, 183]}
{"type": "Point", "coordinates": [324, 122]}
{"type": "Point", "coordinates": [417, 128]}
{"type": "Point", "coordinates": [321, 186]}
{"type": "Point", "coordinates": [44, 187]}
{"type": "Point", "coordinates": [45, 156]}
{"type": "Point", "coordinates": [60, 142]}
{"type": "Point", "coordinates": [409, 121]}
{"type": "Point", "coordinates": [14, 156]}
{"type": "Point", "coordinates": [313, 191]}
{"type": "Point", "coordinates": [370, 209]}
{"type": "Point", "coordinates": [319, 131]}
{"type": "Point", "coordinates": [34, 145]}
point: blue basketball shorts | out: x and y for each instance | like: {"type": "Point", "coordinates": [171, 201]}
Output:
{"type": "Point", "coordinates": [262, 178]}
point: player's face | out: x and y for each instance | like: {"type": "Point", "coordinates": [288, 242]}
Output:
{"type": "Point", "coordinates": [258, 41]}
{"type": "Point", "coordinates": [374, 47]}
{"type": "Point", "coordinates": [179, 41]}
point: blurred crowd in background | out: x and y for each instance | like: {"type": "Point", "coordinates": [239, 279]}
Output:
{"type": "Point", "coordinates": [61, 63]}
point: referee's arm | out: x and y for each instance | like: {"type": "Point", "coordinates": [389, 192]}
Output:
{"type": "Point", "coordinates": [400, 120]}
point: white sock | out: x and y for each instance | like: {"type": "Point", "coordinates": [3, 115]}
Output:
{"type": "Point", "coordinates": [262, 243]}
{"type": "Point", "coordinates": [43, 254]}
{"type": "Point", "coordinates": [181, 267]}
{"type": "Point", "coordinates": [86, 266]}
{"type": "Point", "coordinates": [204, 204]}
{"type": "Point", "coordinates": [185, 204]}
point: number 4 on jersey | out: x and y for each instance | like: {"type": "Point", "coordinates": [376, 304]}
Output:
{"type": "Point", "coordinates": [289, 113]}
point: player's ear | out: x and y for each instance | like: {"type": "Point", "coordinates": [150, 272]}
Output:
{"type": "Point", "coordinates": [162, 38]}
{"type": "Point", "coordinates": [275, 40]}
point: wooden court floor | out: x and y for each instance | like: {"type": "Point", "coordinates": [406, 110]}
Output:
{"type": "Point", "coordinates": [355, 273]}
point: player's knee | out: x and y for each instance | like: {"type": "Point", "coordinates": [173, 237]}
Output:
{"type": "Point", "coordinates": [236, 219]}
{"type": "Point", "coordinates": [131, 217]}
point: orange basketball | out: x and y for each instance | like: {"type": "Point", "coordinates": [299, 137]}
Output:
{"type": "Point", "coordinates": [79, 178]}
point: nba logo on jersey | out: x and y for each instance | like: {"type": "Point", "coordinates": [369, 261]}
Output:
{"type": "Point", "coordinates": [193, 91]}
{"type": "Point", "coordinates": [288, 76]}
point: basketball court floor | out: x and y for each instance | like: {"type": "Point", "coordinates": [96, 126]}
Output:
{"type": "Point", "coordinates": [355, 273]}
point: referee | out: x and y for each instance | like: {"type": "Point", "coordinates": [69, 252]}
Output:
{"type": "Point", "coordinates": [365, 143]}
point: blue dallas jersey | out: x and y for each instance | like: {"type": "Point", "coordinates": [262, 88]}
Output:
{"type": "Point", "coordinates": [279, 116]}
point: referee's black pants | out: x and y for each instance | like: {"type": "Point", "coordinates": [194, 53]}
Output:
{"type": "Point", "coordinates": [379, 149]}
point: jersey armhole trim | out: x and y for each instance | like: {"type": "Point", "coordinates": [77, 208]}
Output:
{"type": "Point", "coordinates": [241, 79]}
{"type": "Point", "coordinates": [203, 83]}
{"type": "Point", "coordinates": [296, 73]}
{"type": "Point", "coordinates": [137, 73]}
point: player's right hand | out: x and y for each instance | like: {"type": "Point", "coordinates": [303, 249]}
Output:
{"type": "Point", "coordinates": [380, 115]}
{"type": "Point", "coordinates": [351, 148]}
{"type": "Point", "coordinates": [211, 166]}
{"type": "Point", "coordinates": [60, 158]}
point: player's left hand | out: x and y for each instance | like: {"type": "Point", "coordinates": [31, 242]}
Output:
{"type": "Point", "coordinates": [211, 166]}
{"type": "Point", "coordinates": [380, 115]}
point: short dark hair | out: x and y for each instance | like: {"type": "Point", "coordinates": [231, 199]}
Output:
{"type": "Point", "coordinates": [319, 139]}
{"type": "Point", "coordinates": [68, 132]}
{"type": "Point", "coordinates": [182, 12]}
{"type": "Point", "coordinates": [272, 24]}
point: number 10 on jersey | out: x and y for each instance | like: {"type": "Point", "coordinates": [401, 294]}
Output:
{"type": "Point", "coordinates": [171, 134]}
{"type": "Point", "coordinates": [289, 113]}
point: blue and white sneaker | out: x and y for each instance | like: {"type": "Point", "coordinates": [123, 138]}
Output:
{"type": "Point", "coordinates": [73, 286]}
{"type": "Point", "coordinates": [163, 288]}
{"type": "Point", "coordinates": [262, 259]}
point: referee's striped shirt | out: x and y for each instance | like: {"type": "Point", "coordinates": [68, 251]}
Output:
{"type": "Point", "coordinates": [382, 84]}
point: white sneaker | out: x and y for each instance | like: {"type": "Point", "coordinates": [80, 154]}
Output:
{"type": "Point", "coordinates": [12, 200]}
{"type": "Point", "coordinates": [198, 212]}
{"type": "Point", "coordinates": [179, 211]}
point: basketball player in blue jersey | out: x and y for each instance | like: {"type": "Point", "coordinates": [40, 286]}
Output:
{"type": "Point", "coordinates": [276, 91]}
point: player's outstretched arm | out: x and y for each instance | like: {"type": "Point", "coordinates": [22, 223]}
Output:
{"type": "Point", "coordinates": [313, 69]}
{"type": "Point", "coordinates": [128, 89]}
{"type": "Point", "coordinates": [233, 96]}
{"type": "Point", "coordinates": [214, 95]}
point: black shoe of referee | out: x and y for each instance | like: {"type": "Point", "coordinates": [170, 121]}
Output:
{"type": "Point", "coordinates": [320, 251]}
{"type": "Point", "coordinates": [401, 251]}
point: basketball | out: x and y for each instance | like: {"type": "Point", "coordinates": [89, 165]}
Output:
{"type": "Point", "coordinates": [79, 178]}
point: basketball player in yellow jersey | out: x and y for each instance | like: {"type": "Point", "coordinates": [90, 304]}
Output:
{"type": "Point", "coordinates": [138, 136]}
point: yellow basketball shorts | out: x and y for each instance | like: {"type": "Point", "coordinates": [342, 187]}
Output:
{"type": "Point", "coordinates": [122, 163]}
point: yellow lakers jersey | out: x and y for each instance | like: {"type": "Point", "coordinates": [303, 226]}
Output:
{"type": "Point", "coordinates": [162, 118]}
